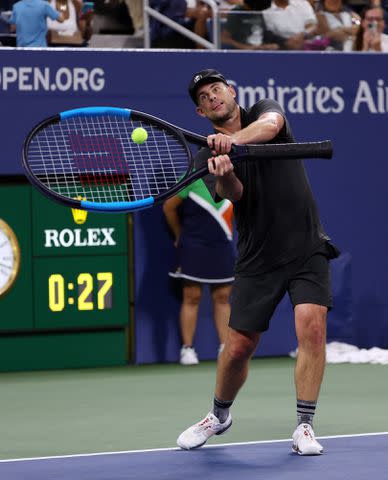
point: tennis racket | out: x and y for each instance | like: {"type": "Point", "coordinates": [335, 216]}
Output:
{"type": "Point", "coordinates": [85, 158]}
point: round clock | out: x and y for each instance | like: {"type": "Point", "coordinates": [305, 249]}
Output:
{"type": "Point", "coordinates": [9, 257]}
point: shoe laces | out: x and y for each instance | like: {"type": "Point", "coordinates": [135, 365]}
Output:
{"type": "Point", "coordinates": [307, 432]}
{"type": "Point", "coordinates": [205, 424]}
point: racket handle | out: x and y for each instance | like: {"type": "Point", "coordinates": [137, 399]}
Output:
{"type": "Point", "coordinates": [322, 149]}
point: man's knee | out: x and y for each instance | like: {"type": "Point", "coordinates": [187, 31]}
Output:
{"type": "Point", "coordinates": [240, 347]}
{"type": "Point", "coordinates": [311, 325]}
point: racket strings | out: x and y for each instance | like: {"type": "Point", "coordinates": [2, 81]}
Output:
{"type": "Point", "coordinates": [95, 158]}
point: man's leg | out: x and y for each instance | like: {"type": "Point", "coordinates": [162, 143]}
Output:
{"type": "Point", "coordinates": [310, 324]}
{"type": "Point", "coordinates": [253, 302]}
{"type": "Point", "coordinates": [232, 371]}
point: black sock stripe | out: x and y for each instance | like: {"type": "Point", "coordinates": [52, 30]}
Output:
{"type": "Point", "coordinates": [222, 403]}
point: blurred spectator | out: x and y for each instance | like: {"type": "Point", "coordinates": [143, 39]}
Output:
{"type": "Point", "coordinates": [135, 8]}
{"type": "Point", "coordinates": [228, 4]}
{"type": "Point", "coordinates": [30, 19]}
{"type": "Point", "coordinates": [5, 13]}
{"type": "Point", "coordinates": [245, 28]}
{"type": "Point", "coordinates": [203, 238]}
{"type": "Point", "coordinates": [112, 17]}
{"type": "Point", "coordinates": [293, 21]}
{"type": "Point", "coordinates": [85, 19]}
{"type": "Point", "coordinates": [163, 36]}
{"type": "Point", "coordinates": [338, 23]}
{"type": "Point", "coordinates": [384, 5]}
{"type": "Point", "coordinates": [370, 37]}
{"type": "Point", "coordinates": [192, 14]}
{"type": "Point", "coordinates": [67, 32]}
{"type": "Point", "coordinates": [198, 12]}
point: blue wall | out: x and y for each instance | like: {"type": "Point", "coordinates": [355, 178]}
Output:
{"type": "Point", "coordinates": [343, 97]}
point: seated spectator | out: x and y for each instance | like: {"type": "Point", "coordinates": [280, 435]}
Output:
{"type": "Point", "coordinates": [338, 23]}
{"type": "Point", "coordinates": [293, 21]}
{"type": "Point", "coordinates": [29, 17]}
{"type": "Point", "coordinates": [198, 12]}
{"type": "Point", "coordinates": [371, 36]}
{"type": "Point", "coordinates": [192, 15]}
{"type": "Point", "coordinates": [66, 32]}
{"type": "Point", "coordinates": [112, 17]}
{"type": "Point", "coordinates": [163, 36]}
{"type": "Point", "coordinates": [85, 18]}
{"type": "Point", "coordinates": [384, 5]}
{"type": "Point", "coordinates": [245, 28]}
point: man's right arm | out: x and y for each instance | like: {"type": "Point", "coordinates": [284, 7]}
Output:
{"type": "Point", "coordinates": [227, 184]}
{"type": "Point", "coordinates": [221, 180]}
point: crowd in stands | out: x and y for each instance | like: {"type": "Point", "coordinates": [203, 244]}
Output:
{"type": "Point", "coordinates": [339, 25]}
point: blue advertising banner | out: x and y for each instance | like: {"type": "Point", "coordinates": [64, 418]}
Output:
{"type": "Point", "coordinates": [342, 97]}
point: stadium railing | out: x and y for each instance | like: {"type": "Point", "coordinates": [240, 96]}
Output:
{"type": "Point", "coordinates": [216, 36]}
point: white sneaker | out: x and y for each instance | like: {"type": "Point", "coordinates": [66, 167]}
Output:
{"type": "Point", "coordinates": [304, 441]}
{"type": "Point", "coordinates": [188, 356]}
{"type": "Point", "coordinates": [198, 434]}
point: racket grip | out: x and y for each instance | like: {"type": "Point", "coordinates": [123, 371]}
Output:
{"type": "Point", "coordinates": [323, 149]}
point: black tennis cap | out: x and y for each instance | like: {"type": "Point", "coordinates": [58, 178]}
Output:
{"type": "Point", "coordinates": [201, 78]}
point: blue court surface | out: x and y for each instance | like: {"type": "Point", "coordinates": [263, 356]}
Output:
{"type": "Point", "coordinates": [358, 457]}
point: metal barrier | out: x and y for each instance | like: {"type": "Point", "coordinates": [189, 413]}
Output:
{"type": "Point", "coordinates": [216, 36]}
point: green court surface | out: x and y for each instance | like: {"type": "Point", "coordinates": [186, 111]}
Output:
{"type": "Point", "coordinates": [141, 407]}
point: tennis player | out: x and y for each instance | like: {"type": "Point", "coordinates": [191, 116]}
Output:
{"type": "Point", "coordinates": [282, 247]}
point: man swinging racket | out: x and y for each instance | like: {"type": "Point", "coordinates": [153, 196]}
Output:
{"type": "Point", "coordinates": [281, 248]}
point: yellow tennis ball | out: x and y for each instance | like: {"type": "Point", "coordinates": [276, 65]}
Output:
{"type": "Point", "coordinates": [139, 135]}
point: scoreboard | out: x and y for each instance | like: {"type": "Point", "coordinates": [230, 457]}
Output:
{"type": "Point", "coordinates": [64, 281]}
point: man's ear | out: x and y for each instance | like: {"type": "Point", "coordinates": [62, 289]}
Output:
{"type": "Point", "coordinates": [232, 90]}
{"type": "Point", "coordinates": [200, 112]}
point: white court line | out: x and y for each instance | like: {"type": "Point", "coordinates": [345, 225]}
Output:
{"type": "Point", "coordinates": [170, 449]}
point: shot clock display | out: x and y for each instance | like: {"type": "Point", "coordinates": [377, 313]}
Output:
{"type": "Point", "coordinates": [81, 292]}
{"type": "Point", "coordinates": [84, 292]}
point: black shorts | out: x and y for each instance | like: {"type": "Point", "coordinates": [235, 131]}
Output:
{"type": "Point", "coordinates": [254, 299]}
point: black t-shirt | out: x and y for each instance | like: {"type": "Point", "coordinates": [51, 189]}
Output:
{"type": "Point", "coordinates": [277, 219]}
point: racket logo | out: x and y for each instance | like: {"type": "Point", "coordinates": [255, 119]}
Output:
{"type": "Point", "coordinates": [79, 216]}
{"type": "Point", "coordinates": [100, 159]}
